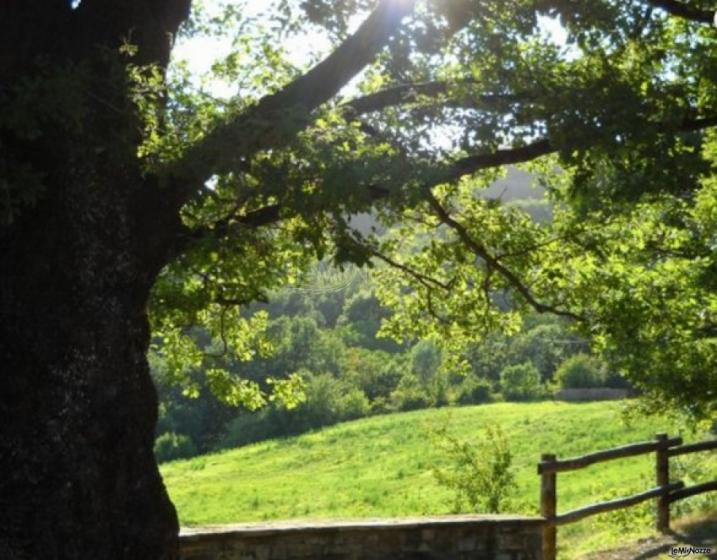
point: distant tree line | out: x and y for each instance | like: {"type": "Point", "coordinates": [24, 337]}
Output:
{"type": "Point", "coordinates": [330, 339]}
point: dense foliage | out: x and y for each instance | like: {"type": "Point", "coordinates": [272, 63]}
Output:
{"type": "Point", "coordinates": [344, 371]}
{"type": "Point", "coordinates": [615, 120]}
{"type": "Point", "coordinates": [580, 372]}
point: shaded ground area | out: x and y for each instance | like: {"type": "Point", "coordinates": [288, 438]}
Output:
{"type": "Point", "coordinates": [701, 532]}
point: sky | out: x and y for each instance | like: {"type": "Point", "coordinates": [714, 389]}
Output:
{"type": "Point", "coordinates": [200, 53]}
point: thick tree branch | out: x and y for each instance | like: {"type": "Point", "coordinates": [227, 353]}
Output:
{"type": "Point", "coordinates": [693, 125]}
{"type": "Point", "coordinates": [264, 216]}
{"type": "Point", "coordinates": [508, 156]}
{"type": "Point", "coordinates": [685, 11]}
{"type": "Point", "coordinates": [270, 214]}
{"type": "Point", "coordinates": [261, 217]}
{"type": "Point", "coordinates": [276, 118]}
{"type": "Point", "coordinates": [539, 148]}
{"type": "Point", "coordinates": [408, 93]}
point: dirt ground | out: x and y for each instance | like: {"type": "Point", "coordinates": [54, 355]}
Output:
{"type": "Point", "coordinates": [700, 532]}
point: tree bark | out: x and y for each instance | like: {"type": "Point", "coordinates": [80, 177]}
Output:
{"type": "Point", "coordinates": [78, 408]}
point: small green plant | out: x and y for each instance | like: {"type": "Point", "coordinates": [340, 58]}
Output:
{"type": "Point", "coordinates": [629, 519]}
{"type": "Point", "coordinates": [198, 464]}
{"type": "Point", "coordinates": [692, 470]}
{"type": "Point", "coordinates": [480, 474]}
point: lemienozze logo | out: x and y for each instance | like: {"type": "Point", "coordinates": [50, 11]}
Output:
{"type": "Point", "coordinates": [684, 551]}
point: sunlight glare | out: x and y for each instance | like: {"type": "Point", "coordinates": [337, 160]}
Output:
{"type": "Point", "coordinates": [552, 27]}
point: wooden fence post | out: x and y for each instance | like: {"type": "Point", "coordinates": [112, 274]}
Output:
{"type": "Point", "coordinates": [662, 469]}
{"type": "Point", "coordinates": [548, 507]}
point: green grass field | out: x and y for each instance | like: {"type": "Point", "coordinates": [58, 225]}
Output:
{"type": "Point", "coordinates": [382, 467]}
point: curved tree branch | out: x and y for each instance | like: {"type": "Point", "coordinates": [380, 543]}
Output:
{"type": "Point", "coordinates": [508, 156]}
{"type": "Point", "coordinates": [495, 264]}
{"type": "Point", "coordinates": [426, 281]}
{"type": "Point", "coordinates": [270, 214]}
{"type": "Point", "coordinates": [539, 148]}
{"type": "Point", "coordinates": [408, 93]}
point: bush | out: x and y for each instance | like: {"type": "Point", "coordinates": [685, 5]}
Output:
{"type": "Point", "coordinates": [354, 404]}
{"type": "Point", "coordinates": [410, 395]}
{"type": "Point", "coordinates": [426, 359]}
{"type": "Point", "coordinates": [322, 406]}
{"type": "Point", "coordinates": [580, 372]}
{"type": "Point", "coordinates": [521, 382]}
{"type": "Point", "coordinates": [328, 401]}
{"type": "Point", "coordinates": [474, 390]}
{"type": "Point", "coordinates": [375, 373]}
{"type": "Point", "coordinates": [542, 346]}
{"type": "Point", "coordinates": [426, 384]}
{"type": "Point", "coordinates": [481, 475]}
{"type": "Point", "coordinates": [250, 428]}
{"type": "Point", "coordinates": [170, 446]}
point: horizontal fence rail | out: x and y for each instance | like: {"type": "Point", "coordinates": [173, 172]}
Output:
{"type": "Point", "coordinates": [692, 491]}
{"type": "Point", "coordinates": [693, 448]}
{"type": "Point", "coordinates": [619, 503]}
{"type": "Point", "coordinates": [665, 492]}
{"type": "Point", "coordinates": [601, 456]}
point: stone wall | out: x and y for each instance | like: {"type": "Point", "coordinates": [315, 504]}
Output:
{"type": "Point", "coordinates": [430, 538]}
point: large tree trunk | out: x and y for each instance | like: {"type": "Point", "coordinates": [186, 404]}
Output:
{"type": "Point", "coordinates": [78, 407]}
{"type": "Point", "coordinates": [78, 479]}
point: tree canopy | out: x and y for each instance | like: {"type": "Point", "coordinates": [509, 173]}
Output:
{"type": "Point", "coordinates": [615, 121]}
{"type": "Point", "coordinates": [125, 183]}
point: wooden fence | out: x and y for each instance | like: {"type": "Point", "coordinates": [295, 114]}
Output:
{"type": "Point", "coordinates": [666, 492]}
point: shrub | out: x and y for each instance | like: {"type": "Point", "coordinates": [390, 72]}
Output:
{"type": "Point", "coordinates": [354, 404]}
{"type": "Point", "coordinates": [481, 474]}
{"type": "Point", "coordinates": [542, 346]}
{"type": "Point", "coordinates": [170, 446]}
{"type": "Point", "coordinates": [323, 401]}
{"type": "Point", "coordinates": [328, 401]}
{"type": "Point", "coordinates": [381, 405]}
{"type": "Point", "coordinates": [410, 395]}
{"type": "Point", "coordinates": [426, 361]}
{"type": "Point", "coordinates": [580, 372]}
{"type": "Point", "coordinates": [250, 428]}
{"type": "Point", "coordinates": [375, 373]}
{"type": "Point", "coordinates": [692, 470]}
{"type": "Point", "coordinates": [474, 390]}
{"type": "Point", "coordinates": [521, 382]}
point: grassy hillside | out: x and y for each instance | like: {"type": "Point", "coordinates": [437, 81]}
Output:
{"type": "Point", "coordinates": [382, 467]}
